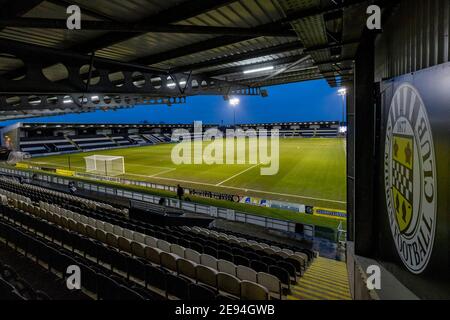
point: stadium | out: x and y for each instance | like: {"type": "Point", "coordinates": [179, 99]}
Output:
{"type": "Point", "coordinates": [271, 206]}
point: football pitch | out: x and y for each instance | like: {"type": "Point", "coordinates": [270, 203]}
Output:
{"type": "Point", "coordinates": [311, 171]}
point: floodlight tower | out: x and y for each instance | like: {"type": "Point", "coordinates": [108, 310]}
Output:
{"type": "Point", "coordinates": [234, 103]}
{"type": "Point", "coordinates": [343, 93]}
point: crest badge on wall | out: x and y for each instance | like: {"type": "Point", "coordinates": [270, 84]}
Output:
{"type": "Point", "coordinates": [410, 178]}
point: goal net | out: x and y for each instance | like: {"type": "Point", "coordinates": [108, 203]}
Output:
{"type": "Point", "coordinates": [105, 165]}
{"type": "Point", "coordinates": [17, 156]}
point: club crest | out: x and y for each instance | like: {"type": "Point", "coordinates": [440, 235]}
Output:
{"type": "Point", "coordinates": [410, 178]}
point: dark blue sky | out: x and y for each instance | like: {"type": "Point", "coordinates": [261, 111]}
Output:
{"type": "Point", "coordinates": [305, 101]}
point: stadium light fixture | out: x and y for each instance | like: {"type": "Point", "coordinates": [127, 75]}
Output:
{"type": "Point", "coordinates": [258, 70]}
{"type": "Point", "coordinates": [234, 102]}
{"type": "Point", "coordinates": [342, 92]}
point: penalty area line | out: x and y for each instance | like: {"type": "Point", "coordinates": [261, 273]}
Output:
{"type": "Point", "coordinates": [237, 174]}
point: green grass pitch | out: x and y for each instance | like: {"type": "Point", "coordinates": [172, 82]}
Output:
{"type": "Point", "coordinates": [311, 171]}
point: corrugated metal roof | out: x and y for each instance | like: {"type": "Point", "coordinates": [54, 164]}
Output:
{"type": "Point", "coordinates": [205, 51]}
{"type": "Point", "coordinates": [50, 37]}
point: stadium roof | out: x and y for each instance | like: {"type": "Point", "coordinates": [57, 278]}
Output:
{"type": "Point", "coordinates": [177, 48]}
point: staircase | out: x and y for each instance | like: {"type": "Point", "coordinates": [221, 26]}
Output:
{"type": "Point", "coordinates": [325, 279]}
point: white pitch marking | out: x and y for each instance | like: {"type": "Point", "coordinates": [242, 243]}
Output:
{"type": "Point", "coordinates": [253, 190]}
{"type": "Point", "coordinates": [237, 174]}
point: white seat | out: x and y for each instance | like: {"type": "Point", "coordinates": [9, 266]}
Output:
{"type": "Point", "coordinates": [178, 250]}
{"type": "Point", "coordinates": [206, 275]}
{"type": "Point", "coordinates": [163, 245]}
{"type": "Point", "coordinates": [118, 231]}
{"type": "Point", "coordinates": [129, 234]}
{"type": "Point", "coordinates": [92, 222]}
{"type": "Point", "coordinates": [108, 227]}
{"type": "Point", "coordinates": [209, 261]}
{"type": "Point", "coordinates": [270, 282]}
{"type": "Point", "coordinates": [169, 260]}
{"type": "Point", "coordinates": [226, 266]}
{"type": "Point", "coordinates": [246, 273]}
{"type": "Point", "coordinates": [253, 291]}
{"type": "Point", "coordinates": [150, 241]}
{"type": "Point", "coordinates": [139, 237]}
{"type": "Point", "coordinates": [100, 224]}
{"type": "Point", "coordinates": [192, 255]}
{"type": "Point", "coordinates": [84, 219]}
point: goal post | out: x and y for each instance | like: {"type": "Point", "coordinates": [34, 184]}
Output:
{"type": "Point", "coordinates": [105, 165]}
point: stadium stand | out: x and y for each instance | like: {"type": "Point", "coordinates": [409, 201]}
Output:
{"type": "Point", "coordinates": [138, 260]}
{"type": "Point", "coordinates": [51, 141]}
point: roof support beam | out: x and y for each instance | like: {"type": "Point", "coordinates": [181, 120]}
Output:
{"type": "Point", "coordinates": [183, 11]}
{"type": "Point", "coordinates": [296, 45]}
{"type": "Point", "coordinates": [228, 40]}
{"type": "Point", "coordinates": [42, 23]}
{"type": "Point", "coordinates": [14, 8]}
{"type": "Point", "coordinates": [277, 62]}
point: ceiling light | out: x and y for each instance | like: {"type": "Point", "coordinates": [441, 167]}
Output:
{"type": "Point", "coordinates": [258, 70]}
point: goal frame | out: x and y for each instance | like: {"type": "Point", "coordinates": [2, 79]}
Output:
{"type": "Point", "coordinates": [102, 164]}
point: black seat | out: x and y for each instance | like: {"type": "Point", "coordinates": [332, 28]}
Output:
{"type": "Point", "coordinates": [136, 268]}
{"type": "Point", "coordinates": [155, 277]}
{"type": "Point", "coordinates": [239, 260]}
{"type": "Point", "coordinates": [210, 250]}
{"type": "Point", "coordinates": [225, 255]}
{"type": "Point", "coordinates": [289, 267]}
{"type": "Point", "coordinates": [108, 289]}
{"type": "Point", "coordinates": [297, 264]}
{"type": "Point", "coordinates": [201, 292]}
{"type": "Point", "coordinates": [280, 273]}
{"type": "Point", "coordinates": [129, 294]}
{"type": "Point", "coordinates": [178, 286]}
{"type": "Point", "coordinates": [197, 247]}
{"type": "Point", "coordinates": [258, 266]}
{"type": "Point", "coordinates": [268, 260]}
{"type": "Point", "coordinates": [89, 278]}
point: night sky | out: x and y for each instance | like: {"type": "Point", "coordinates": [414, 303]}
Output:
{"type": "Point", "coordinates": [304, 101]}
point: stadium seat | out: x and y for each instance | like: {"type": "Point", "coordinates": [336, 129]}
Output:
{"type": "Point", "coordinates": [169, 260]}
{"type": "Point", "coordinates": [201, 292]}
{"type": "Point", "coordinates": [246, 273]}
{"type": "Point", "coordinates": [150, 241]}
{"type": "Point", "coordinates": [253, 291]}
{"type": "Point", "coordinates": [281, 274]}
{"type": "Point", "coordinates": [209, 261]}
{"type": "Point", "coordinates": [124, 244]}
{"type": "Point", "coordinates": [155, 277]}
{"type": "Point", "coordinates": [226, 267]}
{"type": "Point", "coordinates": [272, 283]}
{"type": "Point", "coordinates": [153, 255]}
{"type": "Point", "coordinates": [289, 267]}
{"type": "Point", "coordinates": [228, 283]}
{"type": "Point", "coordinates": [178, 250]}
{"type": "Point", "coordinates": [112, 239]}
{"type": "Point", "coordinates": [186, 267]}
{"type": "Point", "coordinates": [137, 249]}
{"type": "Point", "coordinates": [258, 266]}
{"type": "Point", "coordinates": [192, 255]}
{"type": "Point", "coordinates": [163, 245]}
{"type": "Point", "coordinates": [239, 260]}
{"type": "Point", "coordinates": [178, 286]}
{"type": "Point", "coordinates": [206, 275]}
{"type": "Point", "coordinates": [136, 268]}
{"type": "Point", "coordinates": [139, 237]}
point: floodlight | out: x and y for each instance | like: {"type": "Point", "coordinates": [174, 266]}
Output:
{"type": "Point", "coordinates": [258, 69]}
{"type": "Point", "coordinates": [342, 92]}
{"type": "Point", "coordinates": [234, 102]}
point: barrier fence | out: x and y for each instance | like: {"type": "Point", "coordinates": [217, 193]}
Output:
{"type": "Point", "coordinates": [212, 211]}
